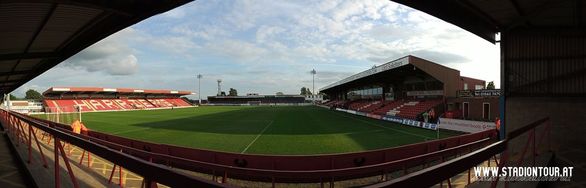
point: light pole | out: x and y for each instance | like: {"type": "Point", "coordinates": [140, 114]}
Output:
{"type": "Point", "coordinates": [219, 87]}
{"type": "Point", "coordinates": [313, 72]}
{"type": "Point", "coordinates": [199, 76]}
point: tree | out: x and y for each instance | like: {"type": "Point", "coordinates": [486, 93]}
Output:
{"type": "Point", "coordinates": [32, 94]}
{"type": "Point", "coordinates": [223, 93]}
{"type": "Point", "coordinates": [490, 85]}
{"type": "Point", "coordinates": [305, 91]}
{"type": "Point", "coordinates": [279, 93]}
{"type": "Point", "coordinates": [232, 92]}
{"type": "Point", "coordinates": [12, 97]}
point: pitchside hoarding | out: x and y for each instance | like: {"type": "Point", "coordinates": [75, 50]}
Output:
{"type": "Point", "coordinates": [395, 119]}
{"type": "Point", "coordinates": [465, 125]}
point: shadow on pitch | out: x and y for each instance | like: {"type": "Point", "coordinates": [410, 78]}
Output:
{"type": "Point", "coordinates": [276, 121]}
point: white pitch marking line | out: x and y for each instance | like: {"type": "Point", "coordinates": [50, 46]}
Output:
{"type": "Point", "coordinates": [146, 128]}
{"type": "Point", "coordinates": [131, 130]}
{"type": "Point", "coordinates": [364, 132]}
{"type": "Point", "coordinates": [386, 127]}
{"type": "Point", "coordinates": [257, 136]}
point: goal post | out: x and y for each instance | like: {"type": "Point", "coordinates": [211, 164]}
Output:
{"type": "Point", "coordinates": [254, 103]}
{"type": "Point", "coordinates": [63, 114]}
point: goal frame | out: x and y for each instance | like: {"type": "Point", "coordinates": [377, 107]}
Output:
{"type": "Point", "coordinates": [254, 103]}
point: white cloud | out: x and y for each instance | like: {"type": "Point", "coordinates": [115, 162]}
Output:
{"type": "Point", "coordinates": [239, 51]}
{"type": "Point", "coordinates": [288, 38]}
{"type": "Point", "coordinates": [267, 32]}
{"type": "Point", "coordinates": [175, 13]}
{"type": "Point", "coordinates": [365, 32]}
{"type": "Point", "coordinates": [110, 56]}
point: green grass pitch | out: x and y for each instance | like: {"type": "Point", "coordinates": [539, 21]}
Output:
{"type": "Point", "coordinates": [280, 130]}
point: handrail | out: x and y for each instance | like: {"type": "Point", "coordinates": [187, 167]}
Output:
{"type": "Point", "coordinates": [438, 173]}
{"type": "Point", "coordinates": [160, 174]}
{"type": "Point", "coordinates": [432, 175]}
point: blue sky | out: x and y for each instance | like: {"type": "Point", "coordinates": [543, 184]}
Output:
{"type": "Point", "coordinates": [265, 47]}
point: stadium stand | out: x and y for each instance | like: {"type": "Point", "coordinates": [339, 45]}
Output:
{"type": "Point", "coordinates": [388, 105]}
{"type": "Point", "coordinates": [260, 99]}
{"type": "Point", "coordinates": [412, 109]}
{"type": "Point", "coordinates": [105, 99]}
{"type": "Point", "coordinates": [408, 87]}
{"type": "Point", "coordinates": [409, 109]}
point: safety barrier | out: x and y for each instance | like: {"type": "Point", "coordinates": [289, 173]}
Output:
{"type": "Point", "coordinates": [444, 171]}
{"type": "Point", "coordinates": [276, 168]}
{"type": "Point", "coordinates": [23, 130]}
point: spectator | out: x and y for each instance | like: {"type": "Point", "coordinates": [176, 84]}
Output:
{"type": "Point", "coordinates": [497, 122]}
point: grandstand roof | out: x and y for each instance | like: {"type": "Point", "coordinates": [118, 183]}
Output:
{"type": "Point", "coordinates": [62, 90]}
{"type": "Point", "coordinates": [487, 18]}
{"type": "Point", "coordinates": [440, 72]}
{"type": "Point", "coordinates": [36, 35]}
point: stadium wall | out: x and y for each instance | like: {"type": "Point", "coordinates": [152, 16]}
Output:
{"type": "Point", "coordinates": [543, 74]}
{"type": "Point", "coordinates": [448, 76]}
{"type": "Point", "coordinates": [476, 107]}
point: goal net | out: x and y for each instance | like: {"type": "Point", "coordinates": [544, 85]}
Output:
{"type": "Point", "coordinates": [254, 103]}
{"type": "Point", "coordinates": [65, 114]}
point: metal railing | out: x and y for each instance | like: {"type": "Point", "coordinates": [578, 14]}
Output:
{"type": "Point", "coordinates": [444, 171]}
{"type": "Point", "coordinates": [23, 130]}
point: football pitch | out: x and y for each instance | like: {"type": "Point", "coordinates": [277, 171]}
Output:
{"type": "Point", "coordinates": [279, 130]}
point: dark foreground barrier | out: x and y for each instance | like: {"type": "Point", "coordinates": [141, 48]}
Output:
{"type": "Point", "coordinates": [23, 127]}
{"type": "Point", "coordinates": [444, 171]}
{"type": "Point", "coordinates": [276, 168]}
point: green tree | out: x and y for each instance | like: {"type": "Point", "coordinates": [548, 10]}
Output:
{"type": "Point", "coordinates": [490, 85]}
{"type": "Point", "coordinates": [12, 97]}
{"type": "Point", "coordinates": [232, 92]}
{"type": "Point", "coordinates": [305, 91]}
{"type": "Point", "coordinates": [279, 93]}
{"type": "Point", "coordinates": [32, 94]}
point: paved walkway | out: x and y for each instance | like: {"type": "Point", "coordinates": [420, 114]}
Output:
{"type": "Point", "coordinates": [11, 173]}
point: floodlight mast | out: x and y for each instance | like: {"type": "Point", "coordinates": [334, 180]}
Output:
{"type": "Point", "coordinates": [313, 72]}
{"type": "Point", "coordinates": [219, 87]}
{"type": "Point", "coordinates": [199, 76]}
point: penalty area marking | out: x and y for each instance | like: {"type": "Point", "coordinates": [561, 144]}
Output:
{"type": "Point", "coordinates": [257, 136]}
{"type": "Point", "coordinates": [384, 127]}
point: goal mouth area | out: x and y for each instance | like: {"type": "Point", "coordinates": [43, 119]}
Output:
{"type": "Point", "coordinates": [254, 103]}
{"type": "Point", "coordinates": [62, 114]}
